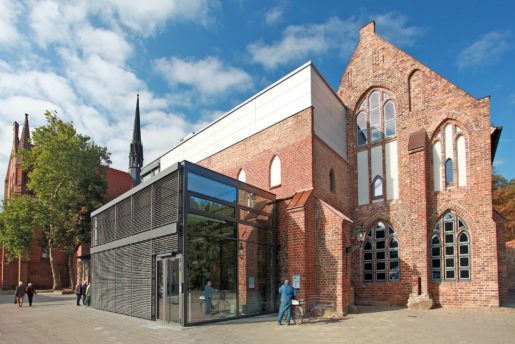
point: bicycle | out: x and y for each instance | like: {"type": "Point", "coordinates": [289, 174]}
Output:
{"type": "Point", "coordinates": [297, 311]}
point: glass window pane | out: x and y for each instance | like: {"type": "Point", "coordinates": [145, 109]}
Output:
{"type": "Point", "coordinates": [374, 100]}
{"type": "Point", "coordinates": [254, 201]}
{"type": "Point", "coordinates": [375, 135]}
{"type": "Point", "coordinates": [380, 255]}
{"type": "Point", "coordinates": [449, 274]}
{"type": "Point", "coordinates": [464, 274]}
{"type": "Point", "coordinates": [368, 256]}
{"type": "Point", "coordinates": [214, 260]}
{"type": "Point", "coordinates": [211, 188]}
{"type": "Point", "coordinates": [380, 276]}
{"type": "Point", "coordinates": [389, 128]}
{"type": "Point", "coordinates": [258, 219]}
{"type": "Point", "coordinates": [389, 111]}
{"type": "Point", "coordinates": [380, 245]}
{"type": "Point", "coordinates": [378, 187]}
{"type": "Point", "coordinates": [394, 254]}
{"type": "Point", "coordinates": [394, 276]}
{"type": "Point", "coordinates": [368, 277]}
{"type": "Point", "coordinates": [435, 241]}
{"type": "Point", "coordinates": [448, 217]}
{"type": "Point", "coordinates": [367, 266]}
{"type": "Point", "coordinates": [436, 263]}
{"type": "Point", "coordinates": [449, 250]}
{"type": "Point", "coordinates": [255, 279]}
{"type": "Point", "coordinates": [375, 119]}
{"type": "Point", "coordinates": [256, 235]}
{"type": "Point", "coordinates": [380, 233]}
{"type": "Point", "coordinates": [362, 137]}
{"type": "Point", "coordinates": [203, 225]}
{"type": "Point", "coordinates": [381, 266]}
{"type": "Point", "coordinates": [211, 207]}
{"type": "Point", "coordinates": [449, 238]}
{"type": "Point", "coordinates": [368, 246]}
{"type": "Point", "coordinates": [394, 265]}
{"type": "Point", "coordinates": [435, 251]}
{"type": "Point", "coordinates": [394, 243]}
{"type": "Point", "coordinates": [449, 178]}
{"type": "Point", "coordinates": [437, 274]}
{"type": "Point", "coordinates": [464, 237]}
{"type": "Point", "coordinates": [437, 227]}
{"type": "Point", "coordinates": [361, 121]}
{"type": "Point", "coordinates": [464, 249]}
{"type": "Point", "coordinates": [449, 262]}
{"type": "Point", "coordinates": [464, 262]}
{"type": "Point", "coordinates": [449, 226]}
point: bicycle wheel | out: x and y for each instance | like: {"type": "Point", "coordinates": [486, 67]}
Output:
{"type": "Point", "coordinates": [223, 306]}
{"type": "Point", "coordinates": [298, 315]}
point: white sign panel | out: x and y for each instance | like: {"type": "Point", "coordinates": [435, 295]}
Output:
{"type": "Point", "coordinates": [295, 281]}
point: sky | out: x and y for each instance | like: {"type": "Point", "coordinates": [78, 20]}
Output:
{"type": "Point", "coordinates": [193, 60]}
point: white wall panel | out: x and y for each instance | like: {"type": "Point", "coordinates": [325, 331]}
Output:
{"type": "Point", "coordinates": [281, 100]}
{"type": "Point", "coordinates": [392, 170]}
{"type": "Point", "coordinates": [376, 161]}
{"type": "Point", "coordinates": [330, 116]}
{"type": "Point", "coordinates": [437, 166]}
{"type": "Point", "coordinates": [461, 156]}
{"type": "Point", "coordinates": [363, 193]}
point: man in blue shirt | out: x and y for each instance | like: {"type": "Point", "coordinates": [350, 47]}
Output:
{"type": "Point", "coordinates": [287, 293]}
{"type": "Point", "coordinates": [208, 296]}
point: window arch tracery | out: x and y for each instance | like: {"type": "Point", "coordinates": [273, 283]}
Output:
{"type": "Point", "coordinates": [449, 157]}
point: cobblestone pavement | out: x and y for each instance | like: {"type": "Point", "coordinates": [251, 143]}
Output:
{"type": "Point", "coordinates": [56, 319]}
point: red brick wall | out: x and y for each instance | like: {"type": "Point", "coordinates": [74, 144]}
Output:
{"type": "Point", "coordinates": [425, 100]}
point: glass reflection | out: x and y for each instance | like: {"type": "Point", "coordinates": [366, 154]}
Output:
{"type": "Point", "coordinates": [211, 187]}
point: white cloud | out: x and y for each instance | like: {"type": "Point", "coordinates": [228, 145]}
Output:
{"type": "Point", "coordinates": [208, 76]}
{"type": "Point", "coordinates": [107, 44]}
{"type": "Point", "coordinates": [393, 27]}
{"type": "Point", "coordinates": [274, 16]}
{"type": "Point", "coordinates": [9, 11]}
{"type": "Point", "coordinates": [299, 42]}
{"type": "Point", "coordinates": [486, 49]}
{"type": "Point", "coordinates": [145, 17]}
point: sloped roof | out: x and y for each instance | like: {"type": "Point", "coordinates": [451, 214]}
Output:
{"type": "Point", "coordinates": [299, 199]}
{"type": "Point", "coordinates": [337, 212]}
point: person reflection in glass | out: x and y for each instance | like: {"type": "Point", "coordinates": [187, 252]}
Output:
{"type": "Point", "coordinates": [208, 296]}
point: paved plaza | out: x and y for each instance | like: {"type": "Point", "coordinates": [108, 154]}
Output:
{"type": "Point", "coordinates": [56, 319]}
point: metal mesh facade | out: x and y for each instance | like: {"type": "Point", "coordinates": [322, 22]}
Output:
{"type": "Point", "coordinates": [152, 207]}
{"type": "Point", "coordinates": [123, 277]}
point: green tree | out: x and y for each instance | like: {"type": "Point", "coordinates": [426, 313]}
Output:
{"type": "Point", "coordinates": [503, 199]}
{"type": "Point", "coordinates": [21, 215]}
{"type": "Point", "coordinates": [67, 175]}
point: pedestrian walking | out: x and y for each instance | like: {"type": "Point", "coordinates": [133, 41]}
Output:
{"type": "Point", "coordinates": [78, 292]}
{"type": "Point", "coordinates": [287, 293]}
{"type": "Point", "coordinates": [88, 294]}
{"type": "Point", "coordinates": [19, 294]}
{"type": "Point", "coordinates": [30, 291]}
{"type": "Point", "coordinates": [84, 287]}
{"type": "Point", "coordinates": [208, 296]}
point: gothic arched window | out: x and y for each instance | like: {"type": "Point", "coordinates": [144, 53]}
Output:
{"type": "Point", "coordinates": [381, 260]}
{"type": "Point", "coordinates": [275, 172]}
{"type": "Point", "coordinates": [332, 181]}
{"type": "Point", "coordinates": [454, 249]}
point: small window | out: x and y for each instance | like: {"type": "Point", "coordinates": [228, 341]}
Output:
{"type": "Point", "coordinates": [389, 119]}
{"type": "Point", "coordinates": [242, 176]}
{"type": "Point", "coordinates": [275, 172]}
{"type": "Point", "coordinates": [332, 183]}
{"type": "Point", "coordinates": [449, 172]}
{"type": "Point", "coordinates": [377, 187]}
{"type": "Point", "coordinates": [44, 252]}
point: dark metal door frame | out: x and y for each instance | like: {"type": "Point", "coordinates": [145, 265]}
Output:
{"type": "Point", "coordinates": [166, 260]}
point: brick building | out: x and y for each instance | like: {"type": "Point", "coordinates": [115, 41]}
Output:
{"type": "Point", "coordinates": [382, 187]}
{"type": "Point", "coordinates": [35, 268]}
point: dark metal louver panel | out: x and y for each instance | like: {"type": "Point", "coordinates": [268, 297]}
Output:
{"type": "Point", "coordinates": [141, 260]}
{"type": "Point", "coordinates": [123, 280]}
{"type": "Point", "coordinates": [123, 218]}
{"type": "Point", "coordinates": [142, 210]}
{"type": "Point", "coordinates": [166, 244]}
{"type": "Point", "coordinates": [165, 200]}
{"type": "Point", "coordinates": [110, 280]}
{"type": "Point", "coordinates": [110, 221]}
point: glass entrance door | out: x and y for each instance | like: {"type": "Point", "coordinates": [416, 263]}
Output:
{"type": "Point", "coordinates": [168, 285]}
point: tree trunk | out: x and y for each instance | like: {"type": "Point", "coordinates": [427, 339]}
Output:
{"type": "Point", "coordinates": [71, 254]}
{"type": "Point", "coordinates": [55, 270]}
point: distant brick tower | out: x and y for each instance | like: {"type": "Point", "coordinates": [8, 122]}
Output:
{"type": "Point", "coordinates": [136, 149]}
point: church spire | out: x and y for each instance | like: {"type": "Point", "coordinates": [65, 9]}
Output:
{"type": "Point", "coordinates": [136, 149]}
{"type": "Point", "coordinates": [25, 135]}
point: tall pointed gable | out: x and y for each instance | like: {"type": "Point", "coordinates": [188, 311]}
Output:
{"type": "Point", "coordinates": [16, 140]}
{"type": "Point", "coordinates": [136, 149]}
{"type": "Point", "coordinates": [25, 135]}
